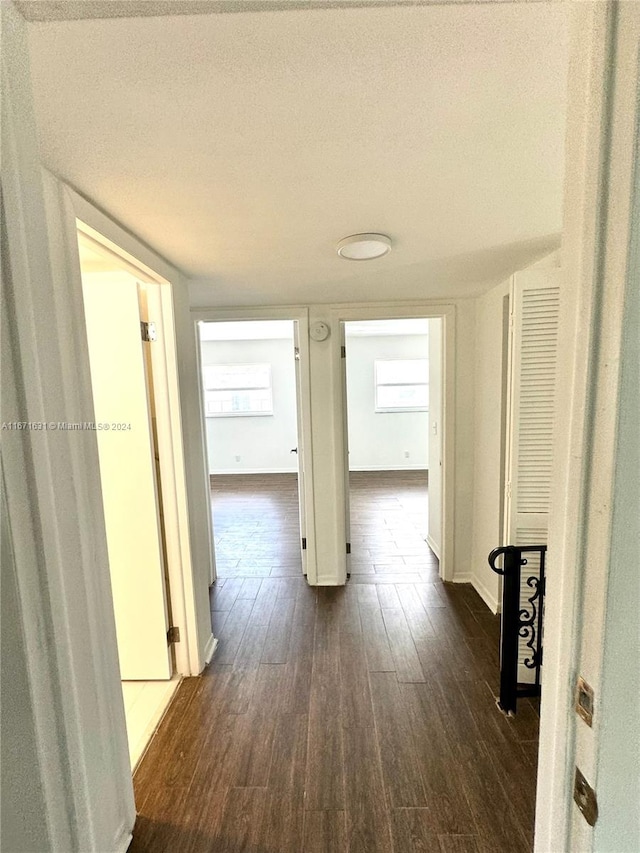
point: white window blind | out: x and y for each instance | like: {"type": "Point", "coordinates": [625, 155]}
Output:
{"type": "Point", "coordinates": [237, 390]}
{"type": "Point", "coordinates": [402, 385]}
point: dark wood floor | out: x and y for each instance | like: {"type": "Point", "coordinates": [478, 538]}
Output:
{"type": "Point", "coordinates": [356, 719]}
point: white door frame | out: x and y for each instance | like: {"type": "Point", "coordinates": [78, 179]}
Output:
{"type": "Point", "coordinates": [83, 217]}
{"type": "Point", "coordinates": [601, 131]}
{"type": "Point", "coordinates": [301, 316]}
{"type": "Point", "coordinates": [398, 311]}
{"type": "Point", "coordinates": [172, 486]}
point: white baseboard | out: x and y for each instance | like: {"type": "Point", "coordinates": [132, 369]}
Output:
{"type": "Point", "coordinates": [357, 468]}
{"type": "Point", "coordinates": [123, 841]}
{"type": "Point", "coordinates": [492, 603]}
{"type": "Point", "coordinates": [434, 547]}
{"type": "Point", "coordinates": [209, 649]}
{"type": "Point", "coordinates": [480, 588]}
{"type": "Point", "coordinates": [227, 471]}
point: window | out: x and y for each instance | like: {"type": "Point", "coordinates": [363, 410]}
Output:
{"type": "Point", "coordinates": [402, 385]}
{"type": "Point", "coordinates": [237, 390]}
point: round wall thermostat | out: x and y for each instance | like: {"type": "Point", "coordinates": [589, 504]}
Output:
{"type": "Point", "coordinates": [319, 331]}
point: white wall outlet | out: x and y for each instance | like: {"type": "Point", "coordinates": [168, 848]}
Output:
{"type": "Point", "coordinates": [406, 454]}
{"type": "Point", "coordinates": [238, 458]}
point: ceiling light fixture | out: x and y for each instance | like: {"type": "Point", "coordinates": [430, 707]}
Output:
{"type": "Point", "coordinates": [364, 247]}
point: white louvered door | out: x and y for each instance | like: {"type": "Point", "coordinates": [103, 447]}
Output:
{"type": "Point", "coordinates": [533, 351]}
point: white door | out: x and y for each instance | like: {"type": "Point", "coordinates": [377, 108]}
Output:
{"type": "Point", "coordinates": [300, 453]}
{"type": "Point", "coordinates": [127, 473]}
{"type": "Point", "coordinates": [533, 351]}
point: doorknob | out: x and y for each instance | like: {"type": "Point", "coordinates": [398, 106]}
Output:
{"type": "Point", "coordinates": [293, 450]}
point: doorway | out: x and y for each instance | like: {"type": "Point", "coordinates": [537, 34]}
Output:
{"type": "Point", "coordinates": [251, 389]}
{"type": "Point", "coordinates": [119, 299]}
{"type": "Point", "coordinates": [388, 384]}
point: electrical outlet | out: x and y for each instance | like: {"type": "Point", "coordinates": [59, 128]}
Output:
{"type": "Point", "coordinates": [238, 458]}
{"type": "Point", "coordinates": [406, 454]}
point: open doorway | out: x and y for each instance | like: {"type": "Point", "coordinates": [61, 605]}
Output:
{"type": "Point", "coordinates": [127, 382]}
{"type": "Point", "coordinates": [251, 391]}
{"type": "Point", "coordinates": [389, 386]}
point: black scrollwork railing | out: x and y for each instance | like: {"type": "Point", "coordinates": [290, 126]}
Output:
{"type": "Point", "coordinates": [522, 615]}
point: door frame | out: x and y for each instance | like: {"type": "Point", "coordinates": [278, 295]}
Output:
{"type": "Point", "coordinates": [430, 311]}
{"type": "Point", "coordinates": [303, 400]}
{"type": "Point", "coordinates": [599, 195]}
{"type": "Point", "coordinates": [82, 218]}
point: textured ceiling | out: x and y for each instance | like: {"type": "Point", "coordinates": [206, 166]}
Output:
{"type": "Point", "coordinates": [72, 10]}
{"type": "Point", "coordinates": [242, 147]}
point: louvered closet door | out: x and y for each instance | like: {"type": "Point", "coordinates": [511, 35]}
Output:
{"type": "Point", "coordinates": [535, 300]}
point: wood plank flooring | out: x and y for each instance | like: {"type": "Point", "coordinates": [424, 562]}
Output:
{"type": "Point", "coordinates": [339, 720]}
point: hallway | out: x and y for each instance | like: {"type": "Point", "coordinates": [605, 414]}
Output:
{"type": "Point", "coordinates": [339, 719]}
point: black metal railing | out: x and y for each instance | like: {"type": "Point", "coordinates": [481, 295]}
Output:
{"type": "Point", "coordinates": [522, 614]}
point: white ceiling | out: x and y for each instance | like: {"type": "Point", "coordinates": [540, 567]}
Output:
{"type": "Point", "coordinates": [242, 147]}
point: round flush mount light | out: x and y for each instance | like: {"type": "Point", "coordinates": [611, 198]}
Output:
{"type": "Point", "coordinates": [364, 247]}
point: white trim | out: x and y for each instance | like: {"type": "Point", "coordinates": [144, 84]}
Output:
{"type": "Point", "coordinates": [490, 600]}
{"type": "Point", "coordinates": [300, 315]}
{"type": "Point", "coordinates": [462, 577]}
{"type": "Point", "coordinates": [123, 842]}
{"type": "Point", "coordinates": [433, 545]}
{"type": "Point", "coordinates": [601, 132]}
{"type": "Point", "coordinates": [194, 499]}
{"type": "Point", "coordinates": [204, 450]}
{"type": "Point", "coordinates": [159, 713]}
{"type": "Point", "coordinates": [170, 442]}
{"type": "Point", "coordinates": [240, 414]}
{"type": "Point", "coordinates": [209, 649]}
{"type": "Point", "coordinates": [229, 472]}
{"type": "Point", "coordinates": [446, 311]}
{"type": "Point", "coordinates": [395, 468]}
{"type": "Point", "coordinates": [169, 446]}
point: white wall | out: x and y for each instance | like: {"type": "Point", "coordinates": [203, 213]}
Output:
{"type": "Point", "coordinates": [600, 263]}
{"type": "Point", "coordinates": [379, 441]}
{"type": "Point", "coordinates": [618, 827]}
{"type": "Point", "coordinates": [263, 443]}
{"type": "Point", "coordinates": [465, 394]}
{"type": "Point", "coordinates": [434, 535]}
{"type": "Point", "coordinates": [66, 708]}
{"type": "Point", "coordinates": [24, 809]}
{"type": "Point", "coordinates": [195, 461]}
{"type": "Point", "coordinates": [490, 371]}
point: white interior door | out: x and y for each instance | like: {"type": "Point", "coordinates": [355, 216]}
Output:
{"type": "Point", "coordinates": [300, 453]}
{"type": "Point", "coordinates": [127, 473]}
{"type": "Point", "coordinates": [535, 299]}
